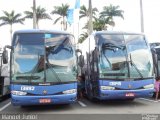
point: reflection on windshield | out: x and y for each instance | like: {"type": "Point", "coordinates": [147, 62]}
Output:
{"type": "Point", "coordinates": [35, 60]}
{"type": "Point", "coordinates": [61, 60]}
{"type": "Point", "coordinates": [115, 61]}
{"type": "Point", "coordinates": [141, 56]}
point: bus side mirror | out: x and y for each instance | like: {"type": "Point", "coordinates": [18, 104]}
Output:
{"type": "Point", "coordinates": [5, 56]}
{"type": "Point", "coordinates": [81, 60]}
{"type": "Point", "coordinates": [8, 46]}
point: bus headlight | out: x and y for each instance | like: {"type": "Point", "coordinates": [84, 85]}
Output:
{"type": "Point", "coordinates": [18, 92]}
{"type": "Point", "coordinates": [107, 88]}
{"type": "Point", "coordinates": [148, 86]}
{"type": "Point", "coordinates": [70, 91]}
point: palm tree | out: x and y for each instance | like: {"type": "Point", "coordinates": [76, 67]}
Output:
{"type": "Point", "coordinates": [100, 24]}
{"type": "Point", "coordinates": [40, 14]}
{"type": "Point", "coordinates": [111, 12]}
{"type": "Point", "coordinates": [62, 12]}
{"type": "Point", "coordinates": [84, 12]}
{"type": "Point", "coordinates": [10, 19]}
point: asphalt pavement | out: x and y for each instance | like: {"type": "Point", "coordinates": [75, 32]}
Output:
{"type": "Point", "coordinates": [139, 109]}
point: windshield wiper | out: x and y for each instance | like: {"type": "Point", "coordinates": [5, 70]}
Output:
{"type": "Point", "coordinates": [132, 63]}
{"type": "Point", "coordinates": [27, 77]}
{"type": "Point", "coordinates": [53, 71]}
{"type": "Point", "coordinates": [54, 50]}
{"type": "Point", "coordinates": [40, 60]}
{"type": "Point", "coordinates": [40, 67]}
{"type": "Point", "coordinates": [48, 50]}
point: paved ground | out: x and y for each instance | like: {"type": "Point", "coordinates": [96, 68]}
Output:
{"type": "Point", "coordinates": [112, 110]}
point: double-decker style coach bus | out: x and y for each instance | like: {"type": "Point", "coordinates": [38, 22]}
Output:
{"type": "Point", "coordinates": [117, 65]}
{"type": "Point", "coordinates": [43, 68]}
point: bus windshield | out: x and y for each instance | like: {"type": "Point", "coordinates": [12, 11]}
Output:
{"type": "Point", "coordinates": [42, 58]}
{"type": "Point", "coordinates": [122, 57]}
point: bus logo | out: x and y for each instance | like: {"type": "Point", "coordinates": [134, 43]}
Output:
{"type": "Point", "coordinates": [129, 86]}
{"type": "Point", "coordinates": [44, 91]}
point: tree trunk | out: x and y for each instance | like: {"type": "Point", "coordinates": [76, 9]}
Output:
{"type": "Point", "coordinates": [90, 27]}
{"type": "Point", "coordinates": [63, 23]}
{"type": "Point", "coordinates": [11, 31]}
{"type": "Point", "coordinates": [37, 24]}
{"type": "Point", "coordinates": [141, 15]}
{"type": "Point", "coordinates": [34, 15]}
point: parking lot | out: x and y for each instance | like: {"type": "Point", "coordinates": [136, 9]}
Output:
{"type": "Point", "coordinates": [113, 109]}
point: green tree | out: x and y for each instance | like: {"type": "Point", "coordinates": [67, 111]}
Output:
{"type": "Point", "coordinates": [102, 23]}
{"type": "Point", "coordinates": [111, 12]}
{"type": "Point", "coordinates": [62, 12]}
{"type": "Point", "coordinates": [10, 19]}
{"type": "Point", "coordinates": [99, 24]}
{"type": "Point", "coordinates": [40, 14]}
{"type": "Point", "coordinates": [84, 12]}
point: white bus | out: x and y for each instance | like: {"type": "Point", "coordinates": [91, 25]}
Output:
{"type": "Point", "coordinates": [4, 75]}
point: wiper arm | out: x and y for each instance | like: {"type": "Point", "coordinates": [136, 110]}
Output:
{"type": "Point", "coordinates": [54, 49]}
{"type": "Point", "coordinates": [53, 71]}
{"type": "Point", "coordinates": [27, 77]}
{"type": "Point", "coordinates": [132, 63]}
{"type": "Point", "coordinates": [48, 50]}
{"type": "Point", "coordinates": [36, 67]}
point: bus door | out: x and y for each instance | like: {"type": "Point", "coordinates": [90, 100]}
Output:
{"type": "Point", "coordinates": [93, 81]}
{"type": "Point", "coordinates": [87, 70]}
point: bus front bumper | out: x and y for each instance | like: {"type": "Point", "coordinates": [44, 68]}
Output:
{"type": "Point", "coordinates": [35, 100]}
{"type": "Point", "coordinates": [125, 94]}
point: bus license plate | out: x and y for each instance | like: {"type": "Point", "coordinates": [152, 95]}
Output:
{"type": "Point", "coordinates": [130, 94]}
{"type": "Point", "coordinates": [44, 100]}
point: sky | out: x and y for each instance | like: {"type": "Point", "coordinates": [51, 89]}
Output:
{"type": "Point", "coordinates": [130, 23]}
